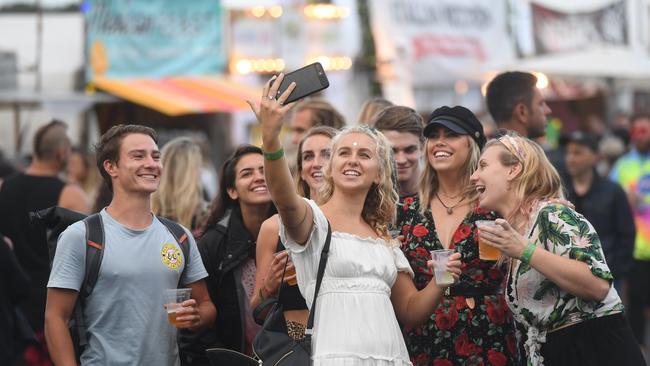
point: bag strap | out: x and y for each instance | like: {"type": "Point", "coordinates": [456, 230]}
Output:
{"type": "Point", "coordinates": [94, 255]}
{"type": "Point", "coordinates": [94, 252]}
{"type": "Point", "coordinates": [284, 271]}
{"type": "Point", "coordinates": [180, 235]}
{"type": "Point", "coordinates": [319, 279]}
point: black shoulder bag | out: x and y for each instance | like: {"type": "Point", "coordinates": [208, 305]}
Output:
{"type": "Point", "coordinates": [272, 345]}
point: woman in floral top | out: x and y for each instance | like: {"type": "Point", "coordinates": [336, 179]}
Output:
{"type": "Point", "coordinates": [559, 286]}
{"type": "Point", "coordinates": [472, 325]}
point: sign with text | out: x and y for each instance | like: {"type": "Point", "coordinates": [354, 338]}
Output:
{"type": "Point", "coordinates": [556, 31]}
{"type": "Point", "coordinates": [153, 38]}
{"type": "Point", "coordinates": [433, 42]}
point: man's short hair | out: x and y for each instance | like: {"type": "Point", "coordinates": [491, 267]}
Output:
{"type": "Point", "coordinates": [508, 89]}
{"type": "Point", "coordinates": [371, 108]}
{"type": "Point", "coordinates": [322, 113]}
{"type": "Point", "coordinates": [400, 119]}
{"type": "Point", "coordinates": [108, 147]}
{"type": "Point", "coordinates": [639, 116]}
{"type": "Point", "coordinates": [48, 138]}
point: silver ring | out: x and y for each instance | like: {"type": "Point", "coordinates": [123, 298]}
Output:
{"type": "Point", "coordinates": [271, 98]}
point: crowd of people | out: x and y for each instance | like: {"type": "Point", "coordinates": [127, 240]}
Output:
{"type": "Point", "coordinates": [388, 190]}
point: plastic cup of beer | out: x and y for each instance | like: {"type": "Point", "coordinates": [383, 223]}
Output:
{"type": "Point", "coordinates": [440, 258]}
{"type": "Point", "coordinates": [173, 301]}
{"type": "Point", "coordinates": [290, 271]}
{"type": "Point", "coordinates": [486, 251]}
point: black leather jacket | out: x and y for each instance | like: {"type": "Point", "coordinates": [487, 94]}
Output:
{"type": "Point", "coordinates": [224, 248]}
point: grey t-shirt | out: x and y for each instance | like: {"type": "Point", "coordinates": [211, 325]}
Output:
{"type": "Point", "coordinates": [125, 318]}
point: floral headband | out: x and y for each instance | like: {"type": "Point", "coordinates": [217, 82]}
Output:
{"type": "Point", "coordinates": [513, 146]}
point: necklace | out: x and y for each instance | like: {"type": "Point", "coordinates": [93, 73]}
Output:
{"type": "Point", "coordinates": [450, 209]}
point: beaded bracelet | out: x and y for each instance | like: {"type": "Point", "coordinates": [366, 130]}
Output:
{"type": "Point", "coordinates": [528, 252]}
{"type": "Point", "coordinates": [274, 155]}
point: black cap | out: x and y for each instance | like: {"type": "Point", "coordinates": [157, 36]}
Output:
{"type": "Point", "coordinates": [581, 138]}
{"type": "Point", "coordinates": [458, 119]}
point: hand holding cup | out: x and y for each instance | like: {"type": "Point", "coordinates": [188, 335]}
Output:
{"type": "Point", "coordinates": [273, 277]}
{"type": "Point", "coordinates": [187, 315]}
{"type": "Point", "coordinates": [182, 312]}
{"type": "Point", "coordinates": [486, 251]}
{"type": "Point", "coordinates": [504, 237]}
{"type": "Point", "coordinates": [445, 264]}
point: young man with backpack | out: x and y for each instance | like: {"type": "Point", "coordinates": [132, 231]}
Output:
{"type": "Point", "coordinates": [125, 321]}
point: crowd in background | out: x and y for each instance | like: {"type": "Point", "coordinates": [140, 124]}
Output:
{"type": "Point", "coordinates": [246, 242]}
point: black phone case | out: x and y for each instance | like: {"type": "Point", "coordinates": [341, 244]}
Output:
{"type": "Point", "coordinates": [309, 80]}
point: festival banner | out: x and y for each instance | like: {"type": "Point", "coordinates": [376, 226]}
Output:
{"type": "Point", "coordinates": [439, 42]}
{"type": "Point", "coordinates": [153, 38]}
{"type": "Point", "coordinates": [556, 31]}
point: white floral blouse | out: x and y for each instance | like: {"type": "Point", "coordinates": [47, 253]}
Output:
{"type": "Point", "coordinates": [539, 304]}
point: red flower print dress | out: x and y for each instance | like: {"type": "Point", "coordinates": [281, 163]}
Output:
{"type": "Point", "coordinates": [457, 334]}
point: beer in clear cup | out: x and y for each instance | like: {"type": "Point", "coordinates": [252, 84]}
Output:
{"type": "Point", "coordinates": [173, 301]}
{"type": "Point", "coordinates": [486, 251]}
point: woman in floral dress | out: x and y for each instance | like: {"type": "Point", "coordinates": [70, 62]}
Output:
{"type": "Point", "coordinates": [559, 286]}
{"type": "Point", "coordinates": [472, 325]}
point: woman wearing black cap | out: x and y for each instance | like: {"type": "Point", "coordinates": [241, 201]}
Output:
{"type": "Point", "coordinates": [472, 324]}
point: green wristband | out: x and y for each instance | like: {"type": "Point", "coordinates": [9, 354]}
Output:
{"type": "Point", "coordinates": [528, 252]}
{"type": "Point", "coordinates": [274, 155]}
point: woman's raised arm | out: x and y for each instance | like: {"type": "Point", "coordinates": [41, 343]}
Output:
{"type": "Point", "coordinates": [294, 211]}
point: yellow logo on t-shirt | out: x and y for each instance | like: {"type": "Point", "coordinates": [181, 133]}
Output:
{"type": "Point", "coordinates": [171, 256]}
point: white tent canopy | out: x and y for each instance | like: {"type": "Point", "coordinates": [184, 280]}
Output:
{"type": "Point", "coordinates": [623, 61]}
{"type": "Point", "coordinates": [615, 63]}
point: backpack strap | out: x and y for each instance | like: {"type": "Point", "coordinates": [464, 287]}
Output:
{"type": "Point", "coordinates": [94, 252]}
{"type": "Point", "coordinates": [180, 235]}
{"type": "Point", "coordinates": [94, 255]}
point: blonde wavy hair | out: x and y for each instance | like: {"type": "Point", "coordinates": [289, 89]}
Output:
{"type": "Point", "coordinates": [538, 179]}
{"type": "Point", "coordinates": [179, 196]}
{"type": "Point", "coordinates": [381, 200]}
{"type": "Point", "coordinates": [428, 185]}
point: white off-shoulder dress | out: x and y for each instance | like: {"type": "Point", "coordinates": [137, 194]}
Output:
{"type": "Point", "coordinates": [355, 323]}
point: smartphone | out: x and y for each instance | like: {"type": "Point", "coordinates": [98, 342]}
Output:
{"type": "Point", "coordinates": [309, 80]}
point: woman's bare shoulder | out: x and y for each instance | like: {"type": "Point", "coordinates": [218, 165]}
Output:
{"type": "Point", "coordinates": [271, 224]}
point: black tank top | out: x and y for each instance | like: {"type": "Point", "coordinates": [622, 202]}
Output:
{"type": "Point", "coordinates": [290, 297]}
{"type": "Point", "coordinates": [19, 195]}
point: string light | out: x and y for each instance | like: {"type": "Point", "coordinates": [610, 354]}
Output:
{"type": "Point", "coordinates": [326, 11]}
{"type": "Point", "coordinates": [332, 63]}
{"type": "Point", "coordinates": [266, 65]}
{"type": "Point", "coordinates": [275, 11]}
{"type": "Point", "coordinates": [258, 11]}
